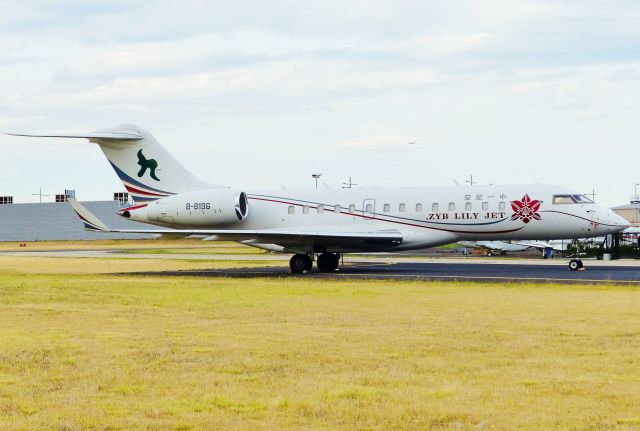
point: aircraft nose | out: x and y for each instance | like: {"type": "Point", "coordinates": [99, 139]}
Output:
{"type": "Point", "coordinates": [623, 222]}
{"type": "Point", "coordinates": [616, 222]}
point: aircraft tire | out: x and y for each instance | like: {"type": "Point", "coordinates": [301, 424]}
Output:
{"type": "Point", "coordinates": [575, 264]}
{"type": "Point", "coordinates": [328, 262]}
{"type": "Point", "coordinates": [300, 263]}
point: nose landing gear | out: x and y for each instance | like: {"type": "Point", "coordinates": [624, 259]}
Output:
{"type": "Point", "coordinates": [575, 265]}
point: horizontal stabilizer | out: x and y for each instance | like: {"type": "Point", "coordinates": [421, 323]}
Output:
{"type": "Point", "coordinates": [109, 136]}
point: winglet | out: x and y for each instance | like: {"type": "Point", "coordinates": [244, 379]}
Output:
{"type": "Point", "coordinates": [91, 222]}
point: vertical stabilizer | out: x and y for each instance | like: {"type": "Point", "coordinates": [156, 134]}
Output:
{"type": "Point", "coordinates": [146, 169]}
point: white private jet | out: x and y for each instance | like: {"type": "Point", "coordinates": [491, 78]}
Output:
{"type": "Point", "coordinates": [328, 223]}
{"type": "Point", "coordinates": [503, 247]}
{"type": "Point", "coordinates": [494, 247]}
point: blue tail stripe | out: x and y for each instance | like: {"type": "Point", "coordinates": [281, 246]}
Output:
{"type": "Point", "coordinates": [138, 198]}
{"type": "Point", "coordinates": [127, 178]}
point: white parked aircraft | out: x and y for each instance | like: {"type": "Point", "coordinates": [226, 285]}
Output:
{"type": "Point", "coordinates": [504, 247]}
{"type": "Point", "coordinates": [494, 247]}
{"type": "Point", "coordinates": [328, 223]}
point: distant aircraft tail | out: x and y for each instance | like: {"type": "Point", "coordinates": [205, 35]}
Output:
{"type": "Point", "coordinates": [146, 169]}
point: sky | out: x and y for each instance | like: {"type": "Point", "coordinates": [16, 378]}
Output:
{"type": "Point", "coordinates": [262, 94]}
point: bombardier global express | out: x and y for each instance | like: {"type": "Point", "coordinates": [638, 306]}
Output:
{"type": "Point", "coordinates": [328, 223]}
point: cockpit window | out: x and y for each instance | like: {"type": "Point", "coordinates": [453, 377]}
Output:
{"type": "Point", "coordinates": [582, 199]}
{"type": "Point", "coordinates": [563, 199]}
{"type": "Point", "coordinates": [571, 199]}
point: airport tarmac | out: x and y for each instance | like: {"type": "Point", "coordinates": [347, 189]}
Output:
{"type": "Point", "coordinates": [445, 270]}
{"type": "Point", "coordinates": [392, 267]}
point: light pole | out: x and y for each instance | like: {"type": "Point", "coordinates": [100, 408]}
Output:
{"type": "Point", "coordinates": [348, 185]}
{"type": "Point", "coordinates": [316, 176]}
{"type": "Point", "coordinates": [593, 195]}
{"type": "Point", "coordinates": [39, 194]}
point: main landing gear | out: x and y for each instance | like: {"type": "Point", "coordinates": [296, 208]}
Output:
{"type": "Point", "coordinates": [327, 262]}
{"type": "Point", "coordinates": [575, 265]}
{"type": "Point", "coordinates": [300, 263]}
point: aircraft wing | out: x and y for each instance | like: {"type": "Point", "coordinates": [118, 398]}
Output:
{"type": "Point", "coordinates": [286, 238]}
{"type": "Point", "coordinates": [536, 244]}
{"type": "Point", "coordinates": [493, 245]}
{"type": "Point", "coordinates": [544, 245]}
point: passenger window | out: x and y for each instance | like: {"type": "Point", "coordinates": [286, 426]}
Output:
{"type": "Point", "coordinates": [418, 207]}
{"type": "Point", "coordinates": [452, 206]}
{"type": "Point", "coordinates": [467, 206]}
{"type": "Point", "coordinates": [501, 206]}
{"type": "Point", "coordinates": [402, 208]}
{"type": "Point", "coordinates": [291, 209]}
{"type": "Point", "coordinates": [320, 209]}
{"type": "Point", "coordinates": [563, 200]}
{"type": "Point", "coordinates": [352, 208]}
{"type": "Point", "coordinates": [485, 206]}
{"type": "Point", "coordinates": [368, 208]}
{"type": "Point", "coordinates": [386, 208]}
{"type": "Point", "coordinates": [336, 209]}
{"type": "Point", "coordinates": [305, 209]}
{"type": "Point", "coordinates": [434, 207]}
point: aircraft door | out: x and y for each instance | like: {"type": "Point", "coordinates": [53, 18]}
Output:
{"type": "Point", "coordinates": [369, 209]}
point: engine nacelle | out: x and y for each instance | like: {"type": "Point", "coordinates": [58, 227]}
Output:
{"type": "Point", "coordinates": [197, 209]}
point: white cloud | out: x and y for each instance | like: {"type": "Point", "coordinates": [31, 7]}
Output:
{"type": "Point", "coordinates": [336, 86]}
{"type": "Point", "coordinates": [289, 78]}
{"type": "Point", "coordinates": [582, 91]}
{"type": "Point", "coordinates": [441, 44]}
{"type": "Point", "coordinates": [375, 143]}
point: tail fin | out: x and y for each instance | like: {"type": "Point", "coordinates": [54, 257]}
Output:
{"type": "Point", "coordinates": [146, 169]}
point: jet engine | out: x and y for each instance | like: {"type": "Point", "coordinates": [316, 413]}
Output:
{"type": "Point", "coordinates": [197, 209]}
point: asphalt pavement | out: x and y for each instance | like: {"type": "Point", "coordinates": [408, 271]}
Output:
{"type": "Point", "coordinates": [442, 270]}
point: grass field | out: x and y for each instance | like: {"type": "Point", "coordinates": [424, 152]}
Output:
{"type": "Point", "coordinates": [85, 351]}
{"type": "Point", "coordinates": [131, 245]}
{"type": "Point", "coordinates": [84, 265]}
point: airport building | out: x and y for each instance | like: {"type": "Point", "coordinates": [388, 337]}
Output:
{"type": "Point", "coordinates": [57, 220]}
{"type": "Point", "coordinates": [630, 211]}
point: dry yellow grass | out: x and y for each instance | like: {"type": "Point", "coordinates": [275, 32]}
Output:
{"type": "Point", "coordinates": [121, 352]}
{"type": "Point", "coordinates": [132, 244]}
{"type": "Point", "coordinates": [89, 265]}
{"type": "Point", "coordinates": [117, 264]}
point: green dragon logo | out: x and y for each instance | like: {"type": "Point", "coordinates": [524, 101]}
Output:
{"type": "Point", "coordinates": [145, 164]}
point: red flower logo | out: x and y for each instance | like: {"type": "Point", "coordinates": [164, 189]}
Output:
{"type": "Point", "coordinates": [526, 209]}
